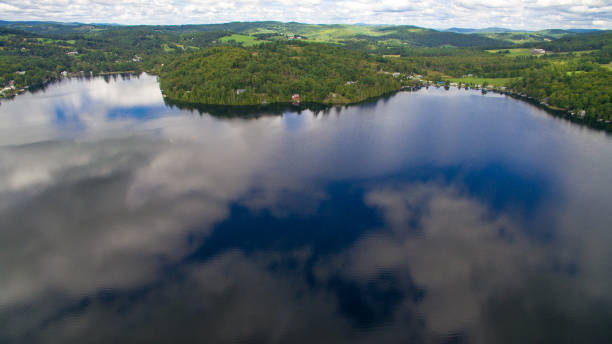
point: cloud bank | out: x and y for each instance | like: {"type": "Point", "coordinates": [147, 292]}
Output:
{"type": "Point", "coordinates": [516, 14]}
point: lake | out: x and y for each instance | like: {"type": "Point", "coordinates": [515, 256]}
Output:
{"type": "Point", "coordinates": [432, 216]}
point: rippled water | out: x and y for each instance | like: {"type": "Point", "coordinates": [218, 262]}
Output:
{"type": "Point", "coordinates": [427, 217]}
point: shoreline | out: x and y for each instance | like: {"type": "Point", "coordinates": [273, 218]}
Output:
{"type": "Point", "coordinates": [257, 110]}
{"type": "Point", "coordinates": [61, 77]}
{"type": "Point", "coordinates": [271, 108]}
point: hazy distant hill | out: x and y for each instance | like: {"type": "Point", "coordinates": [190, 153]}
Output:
{"type": "Point", "coordinates": [501, 30]}
{"type": "Point", "coordinates": [580, 42]}
{"type": "Point", "coordinates": [485, 30]}
{"type": "Point", "coordinates": [583, 30]}
{"type": "Point", "coordinates": [521, 36]}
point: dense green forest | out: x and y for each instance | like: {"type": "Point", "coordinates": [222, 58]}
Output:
{"type": "Point", "coordinates": [273, 73]}
{"type": "Point", "coordinates": [269, 62]}
{"type": "Point", "coordinates": [560, 86]}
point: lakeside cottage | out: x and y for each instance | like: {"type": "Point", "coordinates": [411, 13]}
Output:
{"type": "Point", "coordinates": [10, 87]}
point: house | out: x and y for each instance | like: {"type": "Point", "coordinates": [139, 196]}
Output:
{"type": "Point", "coordinates": [351, 82]}
{"type": "Point", "coordinates": [396, 74]}
{"type": "Point", "coordinates": [21, 72]}
{"type": "Point", "coordinates": [538, 51]}
{"type": "Point", "coordinates": [295, 98]}
{"type": "Point", "coordinates": [72, 53]}
{"type": "Point", "coordinates": [582, 113]}
{"type": "Point", "coordinates": [240, 91]}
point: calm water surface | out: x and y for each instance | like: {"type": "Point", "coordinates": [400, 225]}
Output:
{"type": "Point", "coordinates": [427, 217]}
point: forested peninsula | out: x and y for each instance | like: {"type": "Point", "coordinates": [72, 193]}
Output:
{"type": "Point", "coordinates": [276, 73]}
{"type": "Point", "coordinates": [294, 72]}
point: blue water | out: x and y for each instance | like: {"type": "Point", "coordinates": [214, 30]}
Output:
{"type": "Point", "coordinates": [427, 217]}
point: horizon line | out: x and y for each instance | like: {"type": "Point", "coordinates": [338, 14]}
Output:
{"type": "Point", "coordinates": [297, 22]}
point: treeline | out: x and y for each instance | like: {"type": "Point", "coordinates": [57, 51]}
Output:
{"type": "Point", "coordinates": [481, 65]}
{"type": "Point", "coordinates": [273, 73]}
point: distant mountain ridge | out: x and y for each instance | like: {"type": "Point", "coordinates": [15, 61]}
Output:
{"type": "Point", "coordinates": [452, 29]}
{"type": "Point", "coordinates": [485, 30]}
{"type": "Point", "coordinates": [505, 30]}
{"type": "Point", "coordinates": [493, 37]}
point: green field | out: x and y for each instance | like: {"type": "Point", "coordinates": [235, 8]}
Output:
{"type": "Point", "coordinates": [334, 33]}
{"type": "Point", "coordinates": [56, 41]}
{"type": "Point", "coordinates": [166, 48]}
{"type": "Point", "coordinates": [584, 52]}
{"type": "Point", "coordinates": [245, 40]}
{"type": "Point", "coordinates": [480, 81]}
{"type": "Point", "coordinates": [512, 52]}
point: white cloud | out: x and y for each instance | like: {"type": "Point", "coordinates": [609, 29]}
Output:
{"type": "Point", "coordinates": [518, 14]}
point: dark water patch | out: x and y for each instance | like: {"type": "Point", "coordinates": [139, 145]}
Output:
{"type": "Point", "coordinates": [338, 221]}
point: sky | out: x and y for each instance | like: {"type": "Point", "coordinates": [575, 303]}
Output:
{"type": "Point", "coordinates": [440, 14]}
